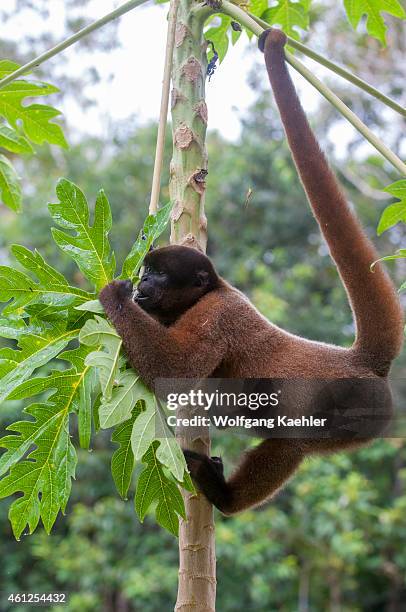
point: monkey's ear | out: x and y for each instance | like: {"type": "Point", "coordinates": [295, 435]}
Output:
{"type": "Point", "coordinates": [202, 278]}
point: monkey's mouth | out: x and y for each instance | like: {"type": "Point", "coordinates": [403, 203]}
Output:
{"type": "Point", "coordinates": [140, 297]}
{"type": "Point", "coordinates": [147, 302]}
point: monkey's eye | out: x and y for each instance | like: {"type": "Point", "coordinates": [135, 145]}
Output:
{"type": "Point", "coordinates": [161, 272]}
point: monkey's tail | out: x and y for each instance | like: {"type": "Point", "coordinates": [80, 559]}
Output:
{"type": "Point", "coordinates": [373, 298]}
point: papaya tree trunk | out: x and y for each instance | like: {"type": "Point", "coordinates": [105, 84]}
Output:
{"type": "Point", "coordinates": [197, 559]}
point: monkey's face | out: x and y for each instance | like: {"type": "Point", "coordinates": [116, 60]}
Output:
{"type": "Point", "coordinates": [151, 288]}
{"type": "Point", "coordinates": [174, 278]}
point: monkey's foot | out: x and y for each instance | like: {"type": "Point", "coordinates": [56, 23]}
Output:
{"type": "Point", "coordinates": [208, 475]}
{"type": "Point", "coordinates": [195, 460]}
{"type": "Point", "coordinates": [272, 37]}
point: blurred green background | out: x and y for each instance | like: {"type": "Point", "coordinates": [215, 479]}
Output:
{"type": "Point", "coordinates": [335, 537]}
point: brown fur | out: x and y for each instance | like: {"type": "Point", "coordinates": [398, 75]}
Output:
{"type": "Point", "coordinates": [197, 325]}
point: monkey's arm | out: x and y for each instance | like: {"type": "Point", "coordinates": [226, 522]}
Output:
{"type": "Point", "coordinates": [378, 315]}
{"type": "Point", "coordinates": [191, 348]}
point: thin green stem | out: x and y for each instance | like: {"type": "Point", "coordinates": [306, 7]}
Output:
{"type": "Point", "coordinates": [234, 11]}
{"type": "Point", "coordinates": [125, 8]}
{"type": "Point", "coordinates": [346, 74]}
{"type": "Point", "coordinates": [163, 114]}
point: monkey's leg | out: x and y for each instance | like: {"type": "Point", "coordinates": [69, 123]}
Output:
{"type": "Point", "coordinates": [262, 472]}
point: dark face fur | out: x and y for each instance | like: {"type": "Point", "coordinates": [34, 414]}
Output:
{"type": "Point", "coordinates": [174, 278]}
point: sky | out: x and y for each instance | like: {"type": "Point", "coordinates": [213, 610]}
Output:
{"type": "Point", "coordinates": [137, 67]}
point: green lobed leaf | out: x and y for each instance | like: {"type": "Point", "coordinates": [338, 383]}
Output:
{"type": "Point", "coordinates": [96, 407]}
{"type": "Point", "coordinates": [257, 7]}
{"type": "Point", "coordinates": [235, 35]}
{"type": "Point", "coordinates": [33, 352]}
{"type": "Point", "coordinates": [98, 332]}
{"type": "Point", "coordinates": [394, 212]}
{"type": "Point", "coordinates": [171, 456]}
{"type": "Point", "coordinates": [289, 16]}
{"type": "Point", "coordinates": [7, 67]}
{"type": "Point", "coordinates": [154, 486]}
{"type": "Point", "coordinates": [88, 245]}
{"type": "Point", "coordinates": [16, 286]}
{"type": "Point", "coordinates": [187, 483]}
{"type": "Point", "coordinates": [392, 215]}
{"type": "Point", "coordinates": [43, 476]}
{"type": "Point", "coordinates": [65, 462]}
{"type": "Point", "coordinates": [30, 431]}
{"type": "Point", "coordinates": [128, 391]}
{"type": "Point", "coordinates": [91, 306]}
{"type": "Point", "coordinates": [35, 119]}
{"type": "Point", "coordinates": [153, 227]}
{"type": "Point", "coordinates": [52, 287]}
{"type": "Point", "coordinates": [26, 124]}
{"type": "Point", "coordinates": [37, 478]}
{"type": "Point", "coordinates": [86, 387]}
{"type": "Point", "coordinates": [13, 141]}
{"type": "Point", "coordinates": [45, 313]}
{"type": "Point", "coordinates": [144, 431]}
{"type": "Point", "coordinates": [10, 190]}
{"type": "Point", "coordinates": [39, 459]}
{"type": "Point", "coordinates": [17, 328]}
{"type": "Point", "coordinates": [372, 9]}
{"type": "Point", "coordinates": [150, 427]}
{"type": "Point", "coordinates": [169, 452]}
{"type": "Point", "coordinates": [122, 461]}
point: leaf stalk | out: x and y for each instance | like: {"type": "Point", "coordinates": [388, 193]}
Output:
{"type": "Point", "coordinates": [163, 114]}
